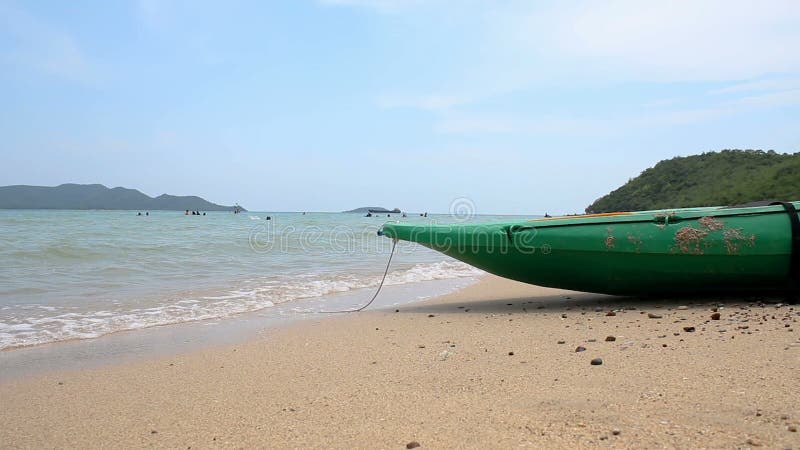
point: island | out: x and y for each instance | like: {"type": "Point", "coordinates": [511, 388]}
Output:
{"type": "Point", "coordinates": [98, 196]}
{"type": "Point", "coordinates": [374, 210]}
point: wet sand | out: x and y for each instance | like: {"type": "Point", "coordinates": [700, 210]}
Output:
{"type": "Point", "coordinates": [493, 366]}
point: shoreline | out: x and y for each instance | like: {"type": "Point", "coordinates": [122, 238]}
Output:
{"type": "Point", "coordinates": [176, 338]}
{"type": "Point", "coordinates": [483, 366]}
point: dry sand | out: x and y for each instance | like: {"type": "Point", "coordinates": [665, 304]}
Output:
{"type": "Point", "coordinates": [442, 374]}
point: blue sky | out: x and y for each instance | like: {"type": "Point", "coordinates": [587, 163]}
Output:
{"type": "Point", "coordinates": [519, 106]}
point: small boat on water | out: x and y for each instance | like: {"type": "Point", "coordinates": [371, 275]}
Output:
{"type": "Point", "coordinates": [676, 251]}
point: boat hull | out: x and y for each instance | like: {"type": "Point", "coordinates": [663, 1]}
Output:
{"type": "Point", "coordinates": [696, 250]}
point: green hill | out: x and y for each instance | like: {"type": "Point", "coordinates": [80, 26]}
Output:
{"type": "Point", "coordinates": [716, 178]}
{"type": "Point", "coordinates": [97, 196]}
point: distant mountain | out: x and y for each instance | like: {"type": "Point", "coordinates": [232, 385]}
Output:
{"type": "Point", "coordinates": [97, 196]}
{"type": "Point", "coordinates": [374, 209]}
{"type": "Point", "coordinates": [728, 177]}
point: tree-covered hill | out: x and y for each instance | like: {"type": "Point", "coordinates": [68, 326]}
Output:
{"type": "Point", "coordinates": [97, 196]}
{"type": "Point", "coordinates": [716, 178]}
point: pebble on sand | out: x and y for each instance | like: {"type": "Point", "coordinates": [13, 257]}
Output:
{"type": "Point", "coordinates": [580, 349]}
{"type": "Point", "coordinates": [715, 316]}
{"type": "Point", "coordinates": [412, 444]}
{"type": "Point", "coordinates": [610, 338]}
{"type": "Point", "coordinates": [611, 313]}
{"type": "Point", "coordinates": [688, 329]}
{"type": "Point", "coordinates": [597, 361]}
{"type": "Point", "coordinates": [653, 316]}
{"type": "Point", "coordinates": [510, 353]}
{"type": "Point", "coordinates": [562, 342]}
{"type": "Point", "coordinates": [615, 432]}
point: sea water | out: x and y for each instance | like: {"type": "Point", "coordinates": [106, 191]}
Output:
{"type": "Point", "coordinates": [68, 275]}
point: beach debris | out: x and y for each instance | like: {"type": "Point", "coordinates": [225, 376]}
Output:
{"type": "Point", "coordinates": [715, 316]}
{"type": "Point", "coordinates": [610, 338]}
{"type": "Point", "coordinates": [654, 316]}
{"type": "Point", "coordinates": [597, 361]}
{"type": "Point", "coordinates": [754, 442]}
{"type": "Point", "coordinates": [412, 444]}
{"type": "Point", "coordinates": [579, 349]}
{"type": "Point", "coordinates": [688, 329]}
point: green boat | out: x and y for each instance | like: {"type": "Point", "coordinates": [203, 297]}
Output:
{"type": "Point", "coordinates": [677, 251]}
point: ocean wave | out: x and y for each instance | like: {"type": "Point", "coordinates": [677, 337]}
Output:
{"type": "Point", "coordinates": [52, 324]}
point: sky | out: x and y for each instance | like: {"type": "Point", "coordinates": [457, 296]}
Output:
{"type": "Point", "coordinates": [506, 107]}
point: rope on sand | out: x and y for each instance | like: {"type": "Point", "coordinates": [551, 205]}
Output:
{"type": "Point", "coordinates": [378, 291]}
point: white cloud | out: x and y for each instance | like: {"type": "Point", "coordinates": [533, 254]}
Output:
{"type": "Point", "coordinates": [681, 40]}
{"type": "Point", "coordinates": [760, 85]}
{"type": "Point", "coordinates": [381, 6]}
{"type": "Point", "coordinates": [426, 102]}
{"type": "Point", "coordinates": [43, 47]}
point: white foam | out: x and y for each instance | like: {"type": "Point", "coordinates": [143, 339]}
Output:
{"type": "Point", "coordinates": [256, 294]}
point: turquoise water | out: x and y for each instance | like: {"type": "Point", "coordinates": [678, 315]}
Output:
{"type": "Point", "coordinates": [82, 274]}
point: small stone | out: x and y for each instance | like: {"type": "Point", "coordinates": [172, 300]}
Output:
{"type": "Point", "coordinates": [153, 432]}
{"type": "Point", "coordinates": [615, 432]}
{"type": "Point", "coordinates": [431, 315]}
{"type": "Point", "coordinates": [396, 310]}
{"type": "Point", "coordinates": [412, 444]}
{"type": "Point", "coordinates": [611, 314]}
{"type": "Point", "coordinates": [715, 316]}
{"type": "Point", "coordinates": [580, 349]}
{"type": "Point", "coordinates": [510, 353]}
{"type": "Point", "coordinates": [683, 307]}
{"type": "Point", "coordinates": [653, 316]}
{"type": "Point", "coordinates": [60, 383]}
{"type": "Point", "coordinates": [688, 329]}
{"type": "Point", "coordinates": [597, 361]}
{"type": "Point", "coordinates": [420, 346]}
{"type": "Point", "coordinates": [753, 442]}
{"type": "Point", "coordinates": [563, 316]}
{"type": "Point", "coordinates": [610, 338]}
{"type": "Point", "coordinates": [792, 428]}
{"type": "Point", "coordinates": [592, 340]}
{"type": "Point", "coordinates": [562, 342]}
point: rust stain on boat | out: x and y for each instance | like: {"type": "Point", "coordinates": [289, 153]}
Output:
{"type": "Point", "coordinates": [712, 223]}
{"type": "Point", "coordinates": [610, 239]}
{"type": "Point", "coordinates": [734, 239]}
{"type": "Point", "coordinates": [636, 241]}
{"type": "Point", "coordinates": [690, 240]}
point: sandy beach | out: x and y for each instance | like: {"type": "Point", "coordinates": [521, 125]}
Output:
{"type": "Point", "coordinates": [492, 366]}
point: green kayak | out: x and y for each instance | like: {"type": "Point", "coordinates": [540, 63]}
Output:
{"type": "Point", "coordinates": [692, 250]}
